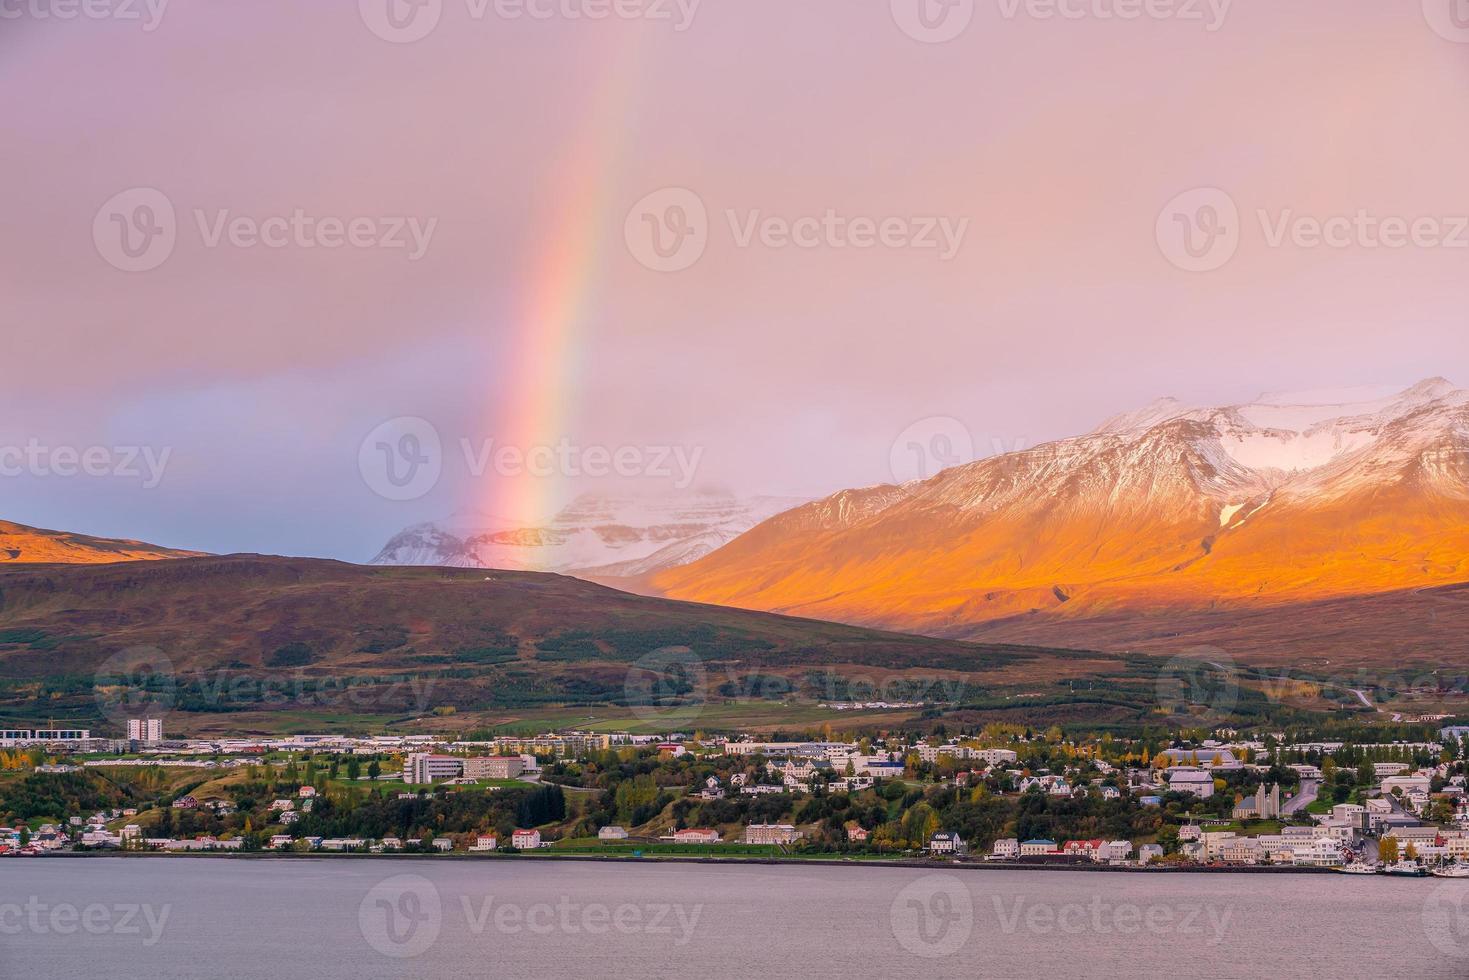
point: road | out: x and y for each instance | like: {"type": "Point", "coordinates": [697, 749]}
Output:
{"type": "Point", "coordinates": [1362, 696]}
{"type": "Point", "coordinates": [1303, 799]}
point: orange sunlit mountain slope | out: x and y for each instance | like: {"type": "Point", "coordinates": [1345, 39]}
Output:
{"type": "Point", "coordinates": [1289, 500]}
{"type": "Point", "coordinates": [31, 545]}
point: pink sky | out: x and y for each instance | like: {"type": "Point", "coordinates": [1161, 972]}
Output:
{"type": "Point", "coordinates": [1058, 140]}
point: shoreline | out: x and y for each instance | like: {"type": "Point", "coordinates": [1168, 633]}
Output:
{"type": "Point", "coordinates": [713, 859]}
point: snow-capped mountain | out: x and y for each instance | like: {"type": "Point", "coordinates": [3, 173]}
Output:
{"type": "Point", "coordinates": [1291, 498]}
{"type": "Point", "coordinates": [594, 536]}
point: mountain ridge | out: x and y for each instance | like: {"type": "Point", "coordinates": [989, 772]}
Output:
{"type": "Point", "coordinates": [1271, 503]}
{"type": "Point", "coordinates": [595, 536]}
{"type": "Point", "coordinates": [21, 544]}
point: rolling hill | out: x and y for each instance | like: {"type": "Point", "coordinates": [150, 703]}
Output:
{"type": "Point", "coordinates": [20, 544]}
{"type": "Point", "coordinates": [244, 636]}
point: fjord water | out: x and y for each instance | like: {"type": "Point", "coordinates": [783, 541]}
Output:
{"type": "Point", "coordinates": [355, 919]}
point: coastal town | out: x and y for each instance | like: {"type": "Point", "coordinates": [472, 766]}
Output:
{"type": "Point", "coordinates": [998, 796]}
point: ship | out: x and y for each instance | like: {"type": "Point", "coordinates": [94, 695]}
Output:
{"type": "Point", "coordinates": [1456, 870]}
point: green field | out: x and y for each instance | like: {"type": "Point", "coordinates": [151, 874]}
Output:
{"type": "Point", "coordinates": [718, 715]}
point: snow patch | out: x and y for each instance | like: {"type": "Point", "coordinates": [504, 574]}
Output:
{"type": "Point", "coordinates": [1293, 452]}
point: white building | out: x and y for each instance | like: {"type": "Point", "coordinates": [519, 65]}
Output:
{"type": "Point", "coordinates": [1408, 784]}
{"type": "Point", "coordinates": [493, 767]}
{"type": "Point", "coordinates": [1215, 842]}
{"type": "Point", "coordinates": [1211, 758]}
{"type": "Point", "coordinates": [1199, 782]}
{"type": "Point", "coordinates": [771, 833]}
{"type": "Point", "coordinates": [1319, 852]}
{"type": "Point", "coordinates": [148, 731]}
{"type": "Point", "coordinates": [612, 833]}
{"type": "Point", "coordinates": [424, 767]}
{"type": "Point", "coordinates": [1005, 848]}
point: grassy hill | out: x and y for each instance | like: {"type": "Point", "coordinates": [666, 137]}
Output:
{"type": "Point", "coordinates": [246, 642]}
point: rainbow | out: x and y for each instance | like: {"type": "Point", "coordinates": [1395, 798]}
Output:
{"type": "Point", "coordinates": [564, 280]}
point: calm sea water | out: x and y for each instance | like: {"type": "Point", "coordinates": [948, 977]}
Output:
{"type": "Point", "coordinates": [67, 919]}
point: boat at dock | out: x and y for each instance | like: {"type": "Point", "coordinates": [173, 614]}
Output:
{"type": "Point", "coordinates": [1456, 870]}
{"type": "Point", "coordinates": [1358, 869]}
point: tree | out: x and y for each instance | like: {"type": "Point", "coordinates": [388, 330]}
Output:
{"type": "Point", "coordinates": [1387, 850]}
